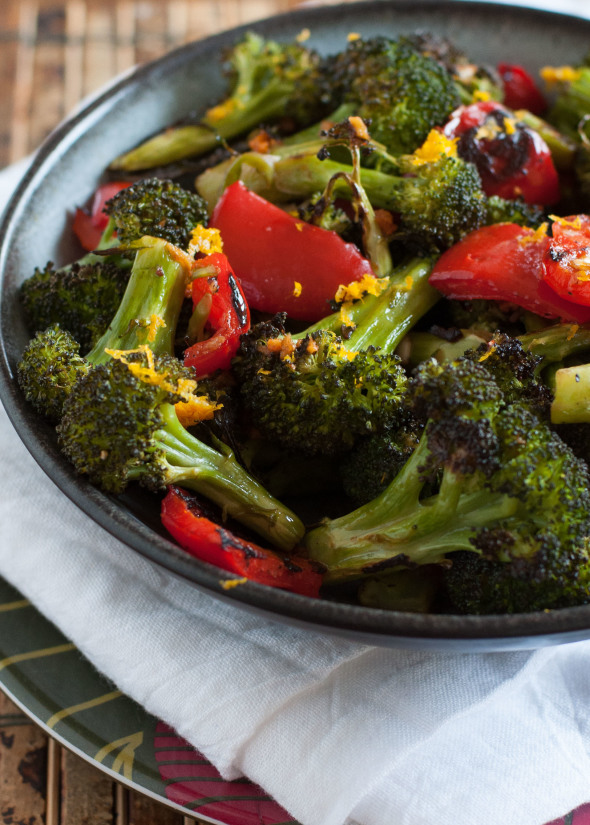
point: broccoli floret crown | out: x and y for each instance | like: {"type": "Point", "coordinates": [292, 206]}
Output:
{"type": "Point", "coordinates": [313, 394]}
{"type": "Point", "coordinates": [515, 372]}
{"type": "Point", "coordinates": [401, 92]}
{"type": "Point", "coordinates": [108, 425]}
{"type": "Point", "coordinates": [159, 208]}
{"type": "Point", "coordinates": [49, 369]}
{"type": "Point", "coordinates": [81, 298]}
{"type": "Point", "coordinates": [290, 72]}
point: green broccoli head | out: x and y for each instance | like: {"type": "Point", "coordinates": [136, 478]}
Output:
{"type": "Point", "coordinates": [538, 558]}
{"type": "Point", "coordinates": [438, 201]}
{"type": "Point", "coordinates": [121, 424]}
{"type": "Point", "coordinates": [375, 460]}
{"type": "Point", "coordinates": [313, 395]}
{"type": "Point", "coordinates": [48, 370]}
{"type": "Point", "coordinates": [515, 371]}
{"type": "Point", "coordinates": [571, 104]}
{"type": "Point", "coordinates": [289, 75]}
{"type": "Point", "coordinates": [108, 426]}
{"type": "Point", "coordinates": [82, 298]}
{"type": "Point", "coordinates": [159, 208]}
{"type": "Point", "coordinates": [487, 477]}
{"type": "Point", "coordinates": [401, 92]}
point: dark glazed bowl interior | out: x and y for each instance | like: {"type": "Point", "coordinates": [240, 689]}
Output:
{"type": "Point", "coordinates": [66, 171]}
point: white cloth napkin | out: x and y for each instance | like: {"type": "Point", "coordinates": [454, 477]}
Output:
{"type": "Point", "coordinates": [339, 733]}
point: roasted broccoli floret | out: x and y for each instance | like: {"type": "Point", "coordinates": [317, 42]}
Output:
{"type": "Point", "coordinates": [515, 370]}
{"type": "Point", "coordinates": [508, 489]}
{"type": "Point", "coordinates": [500, 210]}
{"type": "Point", "coordinates": [160, 208]}
{"type": "Point", "coordinates": [147, 314]}
{"type": "Point", "coordinates": [269, 80]}
{"type": "Point", "coordinates": [471, 79]}
{"type": "Point", "coordinates": [315, 395]}
{"type": "Point", "coordinates": [402, 92]}
{"type": "Point", "coordinates": [120, 424]}
{"type": "Point", "coordinates": [49, 367]}
{"type": "Point", "coordinates": [375, 460]}
{"type": "Point", "coordinates": [320, 390]}
{"type": "Point", "coordinates": [83, 297]}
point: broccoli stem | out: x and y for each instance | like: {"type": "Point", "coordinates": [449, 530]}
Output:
{"type": "Point", "coordinates": [181, 142]}
{"type": "Point", "coordinates": [556, 342]}
{"type": "Point", "coordinates": [149, 310]}
{"type": "Point", "coordinates": [383, 320]}
{"type": "Point", "coordinates": [220, 478]}
{"type": "Point", "coordinates": [399, 529]}
{"type": "Point", "coordinates": [302, 175]}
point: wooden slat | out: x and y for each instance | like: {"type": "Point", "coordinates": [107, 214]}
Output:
{"type": "Point", "coordinates": [87, 795]}
{"type": "Point", "coordinates": [23, 764]}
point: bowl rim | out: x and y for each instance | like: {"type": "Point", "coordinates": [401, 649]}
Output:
{"type": "Point", "coordinates": [372, 625]}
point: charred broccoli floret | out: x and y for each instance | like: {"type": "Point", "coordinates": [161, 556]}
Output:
{"type": "Point", "coordinates": [120, 424]}
{"type": "Point", "coordinates": [268, 81]}
{"type": "Point", "coordinates": [515, 370]}
{"type": "Point", "coordinates": [508, 489]}
{"type": "Point", "coordinates": [402, 92]}
{"type": "Point", "coordinates": [160, 208]}
{"type": "Point", "coordinates": [83, 297]}
{"type": "Point", "coordinates": [375, 460]}
{"type": "Point", "coordinates": [315, 395]}
{"type": "Point", "coordinates": [147, 314]}
{"type": "Point", "coordinates": [49, 367]}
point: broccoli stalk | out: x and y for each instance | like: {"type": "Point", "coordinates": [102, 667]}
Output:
{"type": "Point", "coordinates": [269, 80]}
{"type": "Point", "coordinates": [151, 304]}
{"type": "Point", "coordinates": [120, 424]}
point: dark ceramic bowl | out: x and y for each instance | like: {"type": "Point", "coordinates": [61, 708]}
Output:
{"type": "Point", "coordinates": [66, 171]}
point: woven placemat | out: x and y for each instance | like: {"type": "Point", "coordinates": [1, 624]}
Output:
{"type": "Point", "coordinates": [53, 54]}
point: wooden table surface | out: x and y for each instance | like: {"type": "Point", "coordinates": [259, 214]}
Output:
{"type": "Point", "coordinates": [52, 54]}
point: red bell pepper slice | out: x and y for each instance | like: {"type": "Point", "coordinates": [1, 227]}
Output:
{"type": "Point", "coordinates": [513, 160]}
{"type": "Point", "coordinates": [503, 262]}
{"type": "Point", "coordinates": [89, 226]}
{"type": "Point", "coordinates": [185, 520]}
{"type": "Point", "coordinates": [283, 263]}
{"type": "Point", "coordinates": [567, 260]}
{"type": "Point", "coordinates": [228, 319]}
{"type": "Point", "coordinates": [520, 90]}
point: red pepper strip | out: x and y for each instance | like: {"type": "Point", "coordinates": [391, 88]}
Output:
{"type": "Point", "coordinates": [513, 160]}
{"type": "Point", "coordinates": [503, 262]}
{"type": "Point", "coordinates": [567, 260]}
{"type": "Point", "coordinates": [520, 90]}
{"type": "Point", "coordinates": [89, 226]}
{"type": "Point", "coordinates": [184, 519]}
{"type": "Point", "coordinates": [272, 253]}
{"type": "Point", "coordinates": [229, 317]}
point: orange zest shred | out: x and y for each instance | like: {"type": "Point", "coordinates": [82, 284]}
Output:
{"type": "Point", "coordinates": [534, 236]}
{"type": "Point", "coordinates": [367, 285]}
{"type": "Point", "coordinates": [434, 147]}
{"type": "Point", "coordinates": [554, 75]}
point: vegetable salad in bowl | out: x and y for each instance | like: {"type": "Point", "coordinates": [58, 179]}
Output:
{"type": "Point", "coordinates": [339, 327]}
